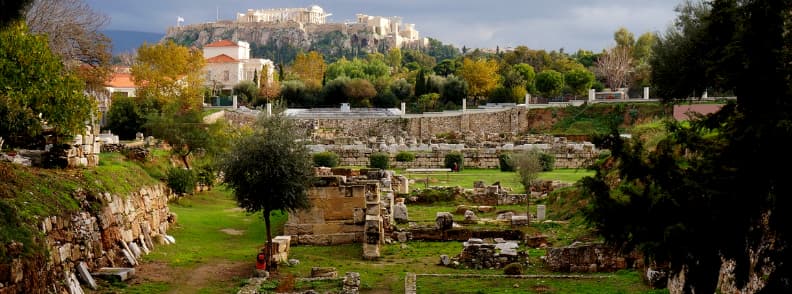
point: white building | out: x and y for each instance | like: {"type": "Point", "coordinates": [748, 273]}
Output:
{"type": "Point", "coordinates": [399, 33]}
{"type": "Point", "coordinates": [313, 14]}
{"type": "Point", "coordinates": [121, 82]}
{"type": "Point", "coordinates": [228, 63]}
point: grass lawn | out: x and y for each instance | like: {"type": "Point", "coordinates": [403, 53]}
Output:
{"type": "Point", "coordinates": [201, 244]}
{"type": "Point", "coordinates": [467, 177]}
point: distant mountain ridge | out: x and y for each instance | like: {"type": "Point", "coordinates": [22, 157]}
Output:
{"type": "Point", "coordinates": [127, 41]}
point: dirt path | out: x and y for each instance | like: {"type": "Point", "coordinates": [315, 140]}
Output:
{"type": "Point", "coordinates": [221, 274]}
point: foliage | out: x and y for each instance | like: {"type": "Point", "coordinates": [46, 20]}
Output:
{"type": "Point", "coordinates": [429, 102]}
{"type": "Point", "coordinates": [181, 181]}
{"type": "Point", "coordinates": [380, 160]}
{"type": "Point", "coordinates": [454, 157]}
{"type": "Point", "coordinates": [358, 69]}
{"type": "Point", "coordinates": [529, 165]}
{"type": "Point", "coordinates": [549, 83]}
{"type": "Point", "coordinates": [615, 66]}
{"type": "Point", "coordinates": [480, 75]}
{"type": "Point", "coordinates": [326, 159]}
{"type": "Point", "coordinates": [12, 11]}
{"type": "Point", "coordinates": [205, 175]}
{"type": "Point", "coordinates": [36, 88]}
{"type": "Point", "coordinates": [402, 89]}
{"type": "Point", "coordinates": [435, 194]}
{"type": "Point", "coordinates": [185, 131]}
{"type": "Point", "coordinates": [269, 169]}
{"type": "Point", "coordinates": [247, 91]}
{"type": "Point", "coordinates": [703, 194]}
{"type": "Point", "coordinates": [270, 87]}
{"type": "Point", "coordinates": [547, 160]}
{"type": "Point", "coordinates": [360, 92]}
{"type": "Point", "coordinates": [528, 75]}
{"type": "Point", "coordinates": [297, 94]}
{"type": "Point", "coordinates": [405, 156]}
{"type": "Point", "coordinates": [454, 90]}
{"type": "Point", "coordinates": [125, 117]}
{"type": "Point", "coordinates": [310, 67]}
{"type": "Point", "coordinates": [506, 162]}
{"type": "Point", "coordinates": [167, 73]}
{"type": "Point", "coordinates": [579, 81]}
{"type": "Point", "coordinates": [513, 269]}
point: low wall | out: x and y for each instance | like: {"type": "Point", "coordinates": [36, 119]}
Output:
{"type": "Point", "coordinates": [98, 236]}
{"type": "Point", "coordinates": [569, 155]}
{"type": "Point", "coordinates": [588, 258]}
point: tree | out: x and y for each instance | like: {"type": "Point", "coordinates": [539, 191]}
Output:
{"type": "Point", "coordinates": [73, 29]}
{"type": "Point", "coordinates": [185, 131]}
{"type": "Point", "coordinates": [615, 65]}
{"type": "Point", "coordinates": [359, 92]}
{"type": "Point", "coordinates": [167, 73]}
{"type": "Point", "coordinates": [528, 74]}
{"type": "Point", "coordinates": [11, 11]}
{"type": "Point", "coordinates": [420, 83]}
{"type": "Point", "coordinates": [394, 59]}
{"type": "Point", "coordinates": [246, 91]}
{"type": "Point", "coordinates": [624, 38]}
{"type": "Point", "coordinates": [481, 76]}
{"type": "Point", "coordinates": [704, 194]}
{"type": "Point", "coordinates": [37, 90]}
{"type": "Point", "coordinates": [269, 86]}
{"type": "Point", "coordinates": [402, 89]}
{"type": "Point", "coordinates": [310, 68]}
{"type": "Point", "coordinates": [550, 83]}
{"type": "Point", "coordinates": [579, 81]}
{"type": "Point", "coordinates": [125, 117]}
{"type": "Point", "coordinates": [454, 90]}
{"type": "Point", "coordinates": [269, 170]}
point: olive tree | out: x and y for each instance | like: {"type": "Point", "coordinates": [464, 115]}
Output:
{"type": "Point", "coordinates": [269, 169]}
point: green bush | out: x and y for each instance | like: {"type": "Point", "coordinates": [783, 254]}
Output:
{"type": "Point", "coordinates": [513, 269]}
{"type": "Point", "coordinates": [205, 176]}
{"type": "Point", "coordinates": [181, 181]}
{"type": "Point", "coordinates": [506, 162]}
{"type": "Point", "coordinates": [326, 159]}
{"type": "Point", "coordinates": [547, 160]}
{"type": "Point", "coordinates": [435, 194]}
{"type": "Point", "coordinates": [405, 156]}
{"type": "Point", "coordinates": [454, 157]}
{"type": "Point", "coordinates": [379, 160]}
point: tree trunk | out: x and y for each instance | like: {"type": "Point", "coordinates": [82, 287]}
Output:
{"type": "Point", "coordinates": [184, 160]}
{"type": "Point", "coordinates": [268, 251]}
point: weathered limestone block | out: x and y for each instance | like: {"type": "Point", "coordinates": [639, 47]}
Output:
{"type": "Point", "coordinates": [444, 221]}
{"type": "Point", "coordinates": [400, 214]}
{"type": "Point", "coordinates": [323, 272]}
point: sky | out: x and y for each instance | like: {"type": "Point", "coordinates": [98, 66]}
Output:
{"type": "Point", "coordinates": [537, 24]}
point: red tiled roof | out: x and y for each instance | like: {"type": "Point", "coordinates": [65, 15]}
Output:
{"type": "Point", "coordinates": [222, 58]}
{"type": "Point", "coordinates": [685, 112]}
{"type": "Point", "coordinates": [222, 43]}
{"type": "Point", "coordinates": [120, 80]}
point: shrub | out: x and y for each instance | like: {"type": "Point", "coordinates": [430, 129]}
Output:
{"type": "Point", "coordinates": [547, 160]}
{"type": "Point", "coordinates": [326, 159]}
{"type": "Point", "coordinates": [454, 157]}
{"type": "Point", "coordinates": [205, 176]}
{"type": "Point", "coordinates": [379, 160]}
{"type": "Point", "coordinates": [405, 156]}
{"type": "Point", "coordinates": [181, 181]}
{"type": "Point", "coordinates": [506, 162]}
{"type": "Point", "coordinates": [513, 269]}
{"type": "Point", "coordinates": [435, 194]}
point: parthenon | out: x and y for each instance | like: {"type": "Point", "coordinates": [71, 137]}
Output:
{"type": "Point", "coordinates": [313, 14]}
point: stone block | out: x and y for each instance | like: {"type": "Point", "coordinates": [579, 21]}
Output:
{"type": "Point", "coordinates": [400, 214]}
{"type": "Point", "coordinates": [323, 272]}
{"type": "Point", "coordinates": [85, 275]}
{"type": "Point", "coordinates": [114, 273]}
{"type": "Point", "coordinates": [135, 249]}
{"type": "Point", "coordinates": [541, 212]}
{"type": "Point", "coordinates": [519, 220]}
{"type": "Point", "coordinates": [128, 257]}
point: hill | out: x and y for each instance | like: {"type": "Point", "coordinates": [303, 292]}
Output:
{"type": "Point", "coordinates": [126, 41]}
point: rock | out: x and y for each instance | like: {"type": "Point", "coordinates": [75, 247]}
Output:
{"type": "Point", "coordinates": [444, 221]}
{"type": "Point", "coordinates": [506, 216]}
{"type": "Point", "coordinates": [261, 273]}
{"type": "Point", "coordinates": [541, 212]}
{"type": "Point", "coordinates": [400, 213]}
{"type": "Point", "coordinates": [73, 284]}
{"type": "Point", "coordinates": [470, 217]}
{"type": "Point", "coordinates": [129, 258]}
{"type": "Point", "coordinates": [485, 209]}
{"type": "Point", "coordinates": [445, 260]}
{"type": "Point", "coordinates": [461, 209]}
{"type": "Point", "coordinates": [293, 262]}
{"type": "Point", "coordinates": [401, 237]}
{"type": "Point", "coordinates": [519, 220]}
{"type": "Point", "coordinates": [351, 283]}
{"type": "Point", "coordinates": [114, 273]}
{"type": "Point", "coordinates": [135, 249]}
{"type": "Point", "coordinates": [323, 272]}
{"type": "Point", "coordinates": [170, 239]}
{"type": "Point", "coordinates": [85, 275]}
{"type": "Point", "coordinates": [536, 241]}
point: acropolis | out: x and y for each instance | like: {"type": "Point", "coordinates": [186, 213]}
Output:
{"type": "Point", "coordinates": [313, 14]}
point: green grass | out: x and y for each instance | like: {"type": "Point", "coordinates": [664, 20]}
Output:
{"type": "Point", "coordinates": [199, 237]}
{"type": "Point", "coordinates": [467, 177]}
{"type": "Point", "coordinates": [619, 282]}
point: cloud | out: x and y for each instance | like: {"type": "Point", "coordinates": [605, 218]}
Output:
{"type": "Point", "coordinates": [570, 24]}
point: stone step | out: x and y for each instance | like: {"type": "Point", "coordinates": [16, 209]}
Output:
{"type": "Point", "coordinates": [114, 273]}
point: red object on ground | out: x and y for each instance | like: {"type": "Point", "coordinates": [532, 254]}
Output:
{"type": "Point", "coordinates": [261, 261]}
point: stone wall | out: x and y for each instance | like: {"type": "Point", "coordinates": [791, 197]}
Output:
{"type": "Point", "coordinates": [568, 155]}
{"type": "Point", "coordinates": [584, 258]}
{"type": "Point", "coordinates": [98, 236]}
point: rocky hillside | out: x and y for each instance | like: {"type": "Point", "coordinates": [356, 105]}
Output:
{"type": "Point", "coordinates": [281, 41]}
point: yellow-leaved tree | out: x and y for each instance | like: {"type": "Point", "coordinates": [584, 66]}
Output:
{"type": "Point", "coordinates": [310, 67]}
{"type": "Point", "coordinates": [481, 76]}
{"type": "Point", "coordinates": [167, 73]}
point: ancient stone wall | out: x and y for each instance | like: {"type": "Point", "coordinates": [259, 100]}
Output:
{"type": "Point", "coordinates": [583, 258]}
{"type": "Point", "coordinates": [98, 236]}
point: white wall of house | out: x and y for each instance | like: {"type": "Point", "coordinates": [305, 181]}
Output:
{"type": "Point", "coordinates": [225, 75]}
